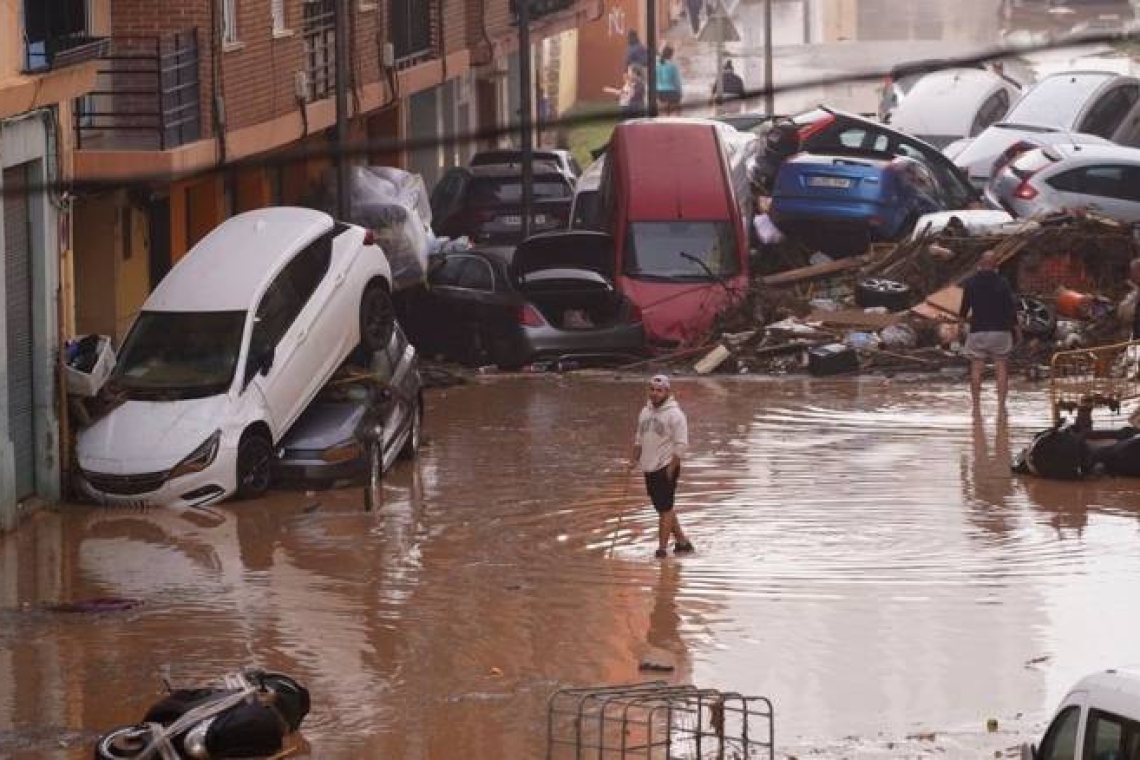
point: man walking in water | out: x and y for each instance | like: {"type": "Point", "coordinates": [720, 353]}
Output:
{"type": "Point", "coordinates": [990, 307]}
{"type": "Point", "coordinates": [661, 440]}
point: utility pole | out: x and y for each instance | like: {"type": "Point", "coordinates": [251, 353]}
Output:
{"type": "Point", "coordinates": [651, 64]}
{"type": "Point", "coordinates": [341, 11]}
{"type": "Point", "coordinates": [525, 115]}
{"type": "Point", "coordinates": [769, 95]}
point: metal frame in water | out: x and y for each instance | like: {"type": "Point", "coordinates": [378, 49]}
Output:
{"type": "Point", "coordinates": [656, 720]}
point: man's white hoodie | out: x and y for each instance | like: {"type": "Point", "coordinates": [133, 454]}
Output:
{"type": "Point", "coordinates": [662, 432]}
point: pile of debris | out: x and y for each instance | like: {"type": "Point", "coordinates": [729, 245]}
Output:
{"type": "Point", "coordinates": [895, 308]}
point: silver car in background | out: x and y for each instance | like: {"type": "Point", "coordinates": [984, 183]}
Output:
{"type": "Point", "coordinates": [949, 105]}
{"type": "Point", "coordinates": [1103, 105]}
{"type": "Point", "coordinates": [1104, 179]}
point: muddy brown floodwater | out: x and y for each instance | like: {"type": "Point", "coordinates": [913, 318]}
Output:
{"type": "Point", "coordinates": [864, 558]}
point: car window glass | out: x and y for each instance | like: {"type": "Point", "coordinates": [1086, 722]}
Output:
{"type": "Point", "coordinates": [1103, 181]}
{"type": "Point", "coordinates": [1069, 182]}
{"type": "Point", "coordinates": [1060, 742]}
{"type": "Point", "coordinates": [1105, 116]}
{"type": "Point", "coordinates": [1111, 737]}
{"type": "Point", "coordinates": [1131, 184]}
{"type": "Point", "coordinates": [476, 275]}
{"type": "Point", "coordinates": [309, 267]}
{"type": "Point", "coordinates": [862, 138]}
{"type": "Point", "coordinates": [276, 311]}
{"type": "Point", "coordinates": [494, 190]}
{"type": "Point", "coordinates": [448, 273]}
{"type": "Point", "coordinates": [993, 109]}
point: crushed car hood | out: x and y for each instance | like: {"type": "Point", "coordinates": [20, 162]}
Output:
{"type": "Point", "coordinates": [149, 436]}
{"type": "Point", "coordinates": [576, 249]}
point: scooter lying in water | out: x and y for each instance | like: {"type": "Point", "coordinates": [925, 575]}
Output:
{"type": "Point", "coordinates": [249, 715]}
{"type": "Point", "coordinates": [1074, 452]}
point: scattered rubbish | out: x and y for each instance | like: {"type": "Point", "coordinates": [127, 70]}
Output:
{"type": "Point", "coordinates": [861, 341]}
{"type": "Point", "coordinates": [89, 361]}
{"type": "Point", "coordinates": [832, 359]}
{"type": "Point", "coordinates": [712, 360]}
{"type": "Point", "coordinates": [655, 665]}
{"type": "Point", "coordinates": [899, 336]}
{"type": "Point", "coordinates": [496, 672]}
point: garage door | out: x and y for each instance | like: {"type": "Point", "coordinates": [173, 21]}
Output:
{"type": "Point", "coordinates": [18, 308]}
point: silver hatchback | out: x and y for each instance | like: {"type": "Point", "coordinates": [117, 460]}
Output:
{"type": "Point", "coordinates": [1100, 178]}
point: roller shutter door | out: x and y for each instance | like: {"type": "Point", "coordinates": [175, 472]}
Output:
{"type": "Point", "coordinates": [18, 308]}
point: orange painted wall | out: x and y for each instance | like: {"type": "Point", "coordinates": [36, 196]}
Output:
{"type": "Point", "coordinates": [601, 48]}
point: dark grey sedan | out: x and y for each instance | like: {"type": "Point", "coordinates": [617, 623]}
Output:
{"type": "Point", "coordinates": [552, 298]}
{"type": "Point", "coordinates": [384, 402]}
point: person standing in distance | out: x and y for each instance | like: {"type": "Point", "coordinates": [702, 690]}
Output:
{"type": "Point", "coordinates": [990, 307]}
{"type": "Point", "coordinates": [661, 440]}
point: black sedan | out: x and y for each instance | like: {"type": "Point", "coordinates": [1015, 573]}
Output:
{"type": "Point", "coordinates": [553, 298]}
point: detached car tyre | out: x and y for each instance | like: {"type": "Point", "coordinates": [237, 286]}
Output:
{"type": "Point", "coordinates": [876, 291]}
{"type": "Point", "coordinates": [1036, 318]}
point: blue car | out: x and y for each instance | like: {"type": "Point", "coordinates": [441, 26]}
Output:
{"type": "Point", "coordinates": [841, 202]}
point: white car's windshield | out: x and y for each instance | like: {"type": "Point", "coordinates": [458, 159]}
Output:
{"type": "Point", "coordinates": [173, 355]}
{"type": "Point", "coordinates": [681, 250]}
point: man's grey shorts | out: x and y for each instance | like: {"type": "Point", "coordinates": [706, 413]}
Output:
{"type": "Point", "coordinates": [988, 346]}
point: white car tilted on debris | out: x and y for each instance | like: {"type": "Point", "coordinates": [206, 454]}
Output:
{"type": "Point", "coordinates": [228, 351]}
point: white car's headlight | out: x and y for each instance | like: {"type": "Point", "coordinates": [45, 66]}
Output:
{"type": "Point", "coordinates": [200, 458]}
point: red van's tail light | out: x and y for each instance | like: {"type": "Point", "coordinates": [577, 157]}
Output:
{"type": "Point", "coordinates": [528, 316]}
{"type": "Point", "coordinates": [1025, 191]}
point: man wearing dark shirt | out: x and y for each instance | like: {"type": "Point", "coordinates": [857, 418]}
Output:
{"type": "Point", "coordinates": [990, 307]}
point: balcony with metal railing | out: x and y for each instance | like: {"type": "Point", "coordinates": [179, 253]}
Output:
{"type": "Point", "coordinates": [147, 95]}
{"type": "Point", "coordinates": [55, 35]}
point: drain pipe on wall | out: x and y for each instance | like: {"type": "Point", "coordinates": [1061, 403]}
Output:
{"type": "Point", "coordinates": [218, 90]}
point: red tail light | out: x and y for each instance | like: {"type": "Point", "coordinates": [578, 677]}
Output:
{"type": "Point", "coordinates": [528, 316]}
{"type": "Point", "coordinates": [815, 128]}
{"type": "Point", "coordinates": [1025, 191]}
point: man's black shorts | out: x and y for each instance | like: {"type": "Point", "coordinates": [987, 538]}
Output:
{"type": "Point", "coordinates": [662, 488]}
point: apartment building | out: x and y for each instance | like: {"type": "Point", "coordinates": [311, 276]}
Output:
{"type": "Point", "coordinates": [46, 62]}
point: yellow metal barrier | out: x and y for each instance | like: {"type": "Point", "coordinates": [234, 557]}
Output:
{"type": "Point", "coordinates": [1087, 378]}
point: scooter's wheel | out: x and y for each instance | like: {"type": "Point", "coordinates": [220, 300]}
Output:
{"type": "Point", "coordinates": [122, 743]}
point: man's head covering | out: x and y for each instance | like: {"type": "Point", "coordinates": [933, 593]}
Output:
{"type": "Point", "coordinates": [659, 381]}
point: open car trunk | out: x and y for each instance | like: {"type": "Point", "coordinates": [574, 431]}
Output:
{"type": "Point", "coordinates": [574, 299]}
{"type": "Point", "coordinates": [568, 276]}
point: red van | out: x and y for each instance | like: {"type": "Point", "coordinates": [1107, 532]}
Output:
{"type": "Point", "coordinates": [675, 198]}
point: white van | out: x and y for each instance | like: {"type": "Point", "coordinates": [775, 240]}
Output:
{"type": "Point", "coordinates": [227, 353]}
{"type": "Point", "coordinates": [1099, 719]}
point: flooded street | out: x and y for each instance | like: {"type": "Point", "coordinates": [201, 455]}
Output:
{"type": "Point", "coordinates": [864, 558]}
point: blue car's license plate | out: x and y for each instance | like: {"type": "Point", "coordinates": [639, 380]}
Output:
{"type": "Point", "coordinates": [839, 182]}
